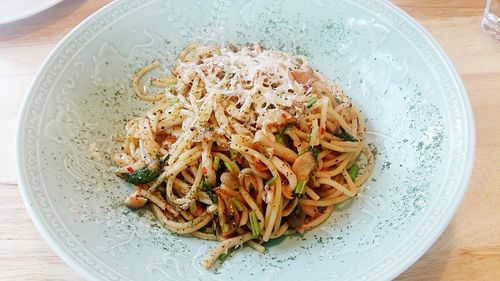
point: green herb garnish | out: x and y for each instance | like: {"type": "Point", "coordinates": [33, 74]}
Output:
{"type": "Point", "coordinates": [314, 153]}
{"type": "Point", "coordinates": [149, 173]}
{"type": "Point", "coordinates": [143, 175]}
{"type": "Point", "coordinates": [354, 171]}
{"type": "Point", "coordinates": [345, 136]}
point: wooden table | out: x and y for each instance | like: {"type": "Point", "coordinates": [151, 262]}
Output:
{"type": "Point", "coordinates": [469, 249]}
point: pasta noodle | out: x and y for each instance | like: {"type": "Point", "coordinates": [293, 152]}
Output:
{"type": "Point", "coordinates": [242, 145]}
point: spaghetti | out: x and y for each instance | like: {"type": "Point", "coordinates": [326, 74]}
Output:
{"type": "Point", "coordinates": [242, 145]}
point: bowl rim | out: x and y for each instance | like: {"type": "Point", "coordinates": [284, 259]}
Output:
{"type": "Point", "coordinates": [36, 218]}
{"type": "Point", "coordinates": [465, 179]}
{"type": "Point", "coordinates": [395, 270]}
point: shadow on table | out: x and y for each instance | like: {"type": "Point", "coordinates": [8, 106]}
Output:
{"type": "Point", "coordinates": [37, 23]}
{"type": "Point", "coordinates": [432, 264]}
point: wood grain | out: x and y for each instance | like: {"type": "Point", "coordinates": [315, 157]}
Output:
{"type": "Point", "coordinates": [469, 249]}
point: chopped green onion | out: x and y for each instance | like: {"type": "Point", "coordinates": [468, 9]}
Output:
{"type": "Point", "coordinates": [228, 166]}
{"type": "Point", "coordinates": [300, 187]}
{"type": "Point", "coordinates": [216, 162]}
{"type": "Point", "coordinates": [279, 138]}
{"type": "Point", "coordinates": [354, 171]}
{"type": "Point", "coordinates": [311, 101]}
{"type": "Point", "coordinates": [225, 227]}
{"type": "Point", "coordinates": [254, 224]}
{"type": "Point", "coordinates": [238, 205]}
{"type": "Point", "coordinates": [271, 181]}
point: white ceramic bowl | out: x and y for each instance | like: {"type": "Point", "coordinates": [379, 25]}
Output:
{"type": "Point", "coordinates": [417, 110]}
